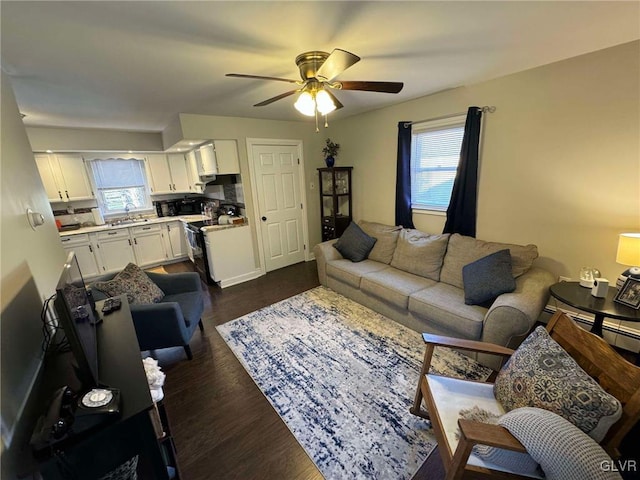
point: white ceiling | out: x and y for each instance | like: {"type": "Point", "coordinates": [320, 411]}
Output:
{"type": "Point", "coordinates": [134, 65]}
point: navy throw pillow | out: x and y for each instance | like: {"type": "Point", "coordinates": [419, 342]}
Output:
{"type": "Point", "coordinates": [485, 279]}
{"type": "Point", "coordinates": [354, 244]}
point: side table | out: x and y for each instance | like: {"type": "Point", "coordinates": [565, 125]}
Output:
{"type": "Point", "coordinates": [579, 297]}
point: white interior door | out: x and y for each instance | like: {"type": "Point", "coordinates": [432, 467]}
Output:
{"type": "Point", "coordinates": [277, 176]}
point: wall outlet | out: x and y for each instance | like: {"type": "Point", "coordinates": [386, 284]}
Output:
{"type": "Point", "coordinates": [564, 279]}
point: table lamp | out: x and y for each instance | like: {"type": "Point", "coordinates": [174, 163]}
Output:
{"type": "Point", "coordinates": [628, 254]}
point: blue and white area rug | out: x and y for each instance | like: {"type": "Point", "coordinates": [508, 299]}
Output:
{"type": "Point", "coordinates": [343, 377]}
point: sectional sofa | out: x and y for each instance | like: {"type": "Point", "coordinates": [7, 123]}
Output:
{"type": "Point", "coordinates": [417, 280]}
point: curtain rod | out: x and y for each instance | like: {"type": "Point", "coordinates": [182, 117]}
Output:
{"type": "Point", "coordinates": [485, 109]}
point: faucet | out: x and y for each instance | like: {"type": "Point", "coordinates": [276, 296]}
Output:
{"type": "Point", "coordinates": [126, 209]}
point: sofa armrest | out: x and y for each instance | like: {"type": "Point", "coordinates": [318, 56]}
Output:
{"type": "Point", "coordinates": [512, 315]}
{"type": "Point", "coordinates": [324, 252]}
{"type": "Point", "coordinates": [171, 283]}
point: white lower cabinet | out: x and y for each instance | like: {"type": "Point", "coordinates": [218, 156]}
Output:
{"type": "Point", "coordinates": [176, 243]}
{"type": "Point", "coordinates": [148, 245]}
{"type": "Point", "coordinates": [115, 250]}
{"type": "Point", "coordinates": [84, 251]}
{"type": "Point", "coordinates": [230, 255]}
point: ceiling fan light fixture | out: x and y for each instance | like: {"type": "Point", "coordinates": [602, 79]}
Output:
{"type": "Point", "coordinates": [324, 102]}
{"type": "Point", "coordinates": [306, 104]}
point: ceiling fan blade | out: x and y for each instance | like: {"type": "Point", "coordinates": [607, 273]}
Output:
{"type": "Point", "coordinates": [336, 63]}
{"type": "Point", "coordinates": [336, 102]}
{"type": "Point", "coordinates": [276, 98]}
{"type": "Point", "coordinates": [384, 87]}
{"type": "Point", "coordinates": [259, 77]}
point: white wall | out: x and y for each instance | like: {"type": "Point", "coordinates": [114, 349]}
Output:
{"type": "Point", "coordinates": [30, 263]}
{"type": "Point", "coordinates": [560, 166]}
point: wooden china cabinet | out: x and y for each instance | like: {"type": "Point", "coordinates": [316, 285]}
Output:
{"type": "Point", "coordinates": [335, 201]}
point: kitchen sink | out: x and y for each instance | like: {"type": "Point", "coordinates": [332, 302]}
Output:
{"type": "Point", "coordinates": [130, 221]}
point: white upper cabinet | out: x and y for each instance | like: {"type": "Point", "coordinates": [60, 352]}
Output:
{"type": "Point", "coordinates": [179, 172]}
{"type": "Point", "coordinates": [64, 177]}
{"type": "Point", "coordinates": [218, 158]}
{"type": "Point", "coordinates": [196, 183]}
{"type": "Point", "coordinates": [208, 165]}
{"type": "Point", "coordinates": [167, 173]}
{"type": "Point", "coordinates": [227, 156]}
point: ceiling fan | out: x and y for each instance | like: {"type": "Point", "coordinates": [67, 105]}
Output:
{"type": "Point", "coordinates": [318, 71]}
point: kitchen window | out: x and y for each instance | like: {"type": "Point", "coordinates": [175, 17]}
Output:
{"type": "Point", "coordinates": [435, 154]}
{"type": "Point", "coordinates": [121, 185]}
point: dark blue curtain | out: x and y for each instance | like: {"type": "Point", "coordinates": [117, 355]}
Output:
{"type": "Point", "coordinates": [403, 176]}
{"type": "Point", "coordinates": [461, 214]}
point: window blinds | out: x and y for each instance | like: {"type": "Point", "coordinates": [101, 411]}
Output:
{"type": "Point", "coordinates": [434, 161]}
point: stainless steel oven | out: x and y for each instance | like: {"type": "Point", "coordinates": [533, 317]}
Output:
{"type": "Point", "coordinates": [197, 250]}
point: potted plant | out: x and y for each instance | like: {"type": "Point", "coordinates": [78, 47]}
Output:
{"type": "Point", "coordinates": [330, 152]}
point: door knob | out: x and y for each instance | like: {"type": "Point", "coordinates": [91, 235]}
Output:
{"type": "Point", "coordinates": [264, 219]}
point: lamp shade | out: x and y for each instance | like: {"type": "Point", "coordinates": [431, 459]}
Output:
{"type": "Point", "coordinates": [306, 104]}
{"type": "Point", "coordinates": [629, 249]}
{"type": "Point", "coordinates": [324, 102]}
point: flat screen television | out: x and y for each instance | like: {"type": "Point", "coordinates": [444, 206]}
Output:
{"type": "Point", "coordinates": [77, 318]}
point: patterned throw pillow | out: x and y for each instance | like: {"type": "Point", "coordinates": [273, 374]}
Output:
{"type": "Point", "coordinates": [541, 374]}
{"type": "Point", "coordinates": [133, 282]}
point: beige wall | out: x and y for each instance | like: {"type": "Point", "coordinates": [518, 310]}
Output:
{"type": "Point", "coordinates": [83, 139]}
{"type": "Point", "coordinates": [560, 165]}
{"type": "Point", "coordinates": [25, 252]}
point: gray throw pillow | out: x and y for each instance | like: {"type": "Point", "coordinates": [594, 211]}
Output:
{"type": "Point", "coordinates": [562, 450]}
{"type": "Point", "coordinates": [354, 244]}
{"type": "Point", "coordinates": [133, 282]}
{"type": "Point", "coordinates": [386, 236]}
{"type": "Point", "coordinates": [420, 253]}
{"type": "Point", "coordinates": [541, 374]}
{"type": "Point", "coordinates": [487, 278]}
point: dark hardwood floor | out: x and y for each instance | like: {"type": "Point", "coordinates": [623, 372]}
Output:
{"type": "Point", "coordinates": [224, 427]}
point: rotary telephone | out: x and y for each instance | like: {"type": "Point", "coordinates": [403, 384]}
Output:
{"type": "Point", "coordinates": [69, 415]}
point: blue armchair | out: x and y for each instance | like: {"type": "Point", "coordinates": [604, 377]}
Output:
{"type": "Point", "coordinates": [172, 321]}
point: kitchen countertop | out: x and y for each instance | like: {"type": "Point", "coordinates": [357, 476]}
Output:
{"type": "Point", "coordinates": [149, 221]}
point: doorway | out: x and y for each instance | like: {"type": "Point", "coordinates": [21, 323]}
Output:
{"type": "Point", "coordinates": [277, 184]}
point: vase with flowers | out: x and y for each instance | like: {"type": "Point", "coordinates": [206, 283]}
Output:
{"type": "Point", "coordinates": [330, 151]}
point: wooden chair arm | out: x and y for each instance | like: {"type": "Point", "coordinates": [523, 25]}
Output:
{"type": "Point", "coordinates": [487, 434]}
{"type": "Point", "coordinates": [464, 344]}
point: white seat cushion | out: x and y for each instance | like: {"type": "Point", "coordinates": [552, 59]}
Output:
{"type": "Point", "coordinates": [452, 395]}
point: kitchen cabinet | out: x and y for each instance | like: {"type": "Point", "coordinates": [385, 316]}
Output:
{"type": "Point", "coordinates": [227, 157]}
{"type": "Point", "coordinates": [64, 177]}
{"type": "Point", "coordinates": [167, 173]}
{"type": "Point", "coordinates": [196, 183]}
{"type": "Point", "coordinates": [219, 158]}
{"type": "Point", "coordinates": [230, 255]}
{"type": "Point", "coordinates": [335, 201]}
{"type": "Point", "coordinates": [81, 245]}
{"type": "Point", "coordinates": [176, 242]}
{"type": "Point", "coordinates": [115, 250]}
{"type": "Point", "coordinates": [148, 245]}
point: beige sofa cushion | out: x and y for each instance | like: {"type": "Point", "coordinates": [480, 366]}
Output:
{"type": "Point", "coordinates": [393, 286]}
{"type": "Point", "coordinates": [351, 272]}
{"type": "Point", "coordinates": [420, 253]}
{"type": "Point", "coordinates": [386, 235]}
{"type": "Point", "coordinates": [463, 250]}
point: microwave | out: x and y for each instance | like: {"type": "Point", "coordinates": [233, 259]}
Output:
{"type": "Point", "coordinates": [174, 208]}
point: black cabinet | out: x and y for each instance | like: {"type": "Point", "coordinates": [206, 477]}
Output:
{"type": "Point", "coordinates": [91, 456]}
{"type": "Point", "coordinates": [335, 201]}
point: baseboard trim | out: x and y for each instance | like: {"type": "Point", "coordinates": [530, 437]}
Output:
{"type": "Point", "coordinates": [624, 336]}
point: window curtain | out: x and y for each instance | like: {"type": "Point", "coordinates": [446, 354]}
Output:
{"type": "Point", "coordinates": [403, 176]}
{"type": "Point", "coordinates": [462, 211]}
